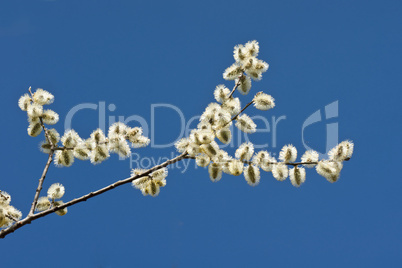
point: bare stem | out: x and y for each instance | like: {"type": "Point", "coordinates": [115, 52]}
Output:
{"type": "Point", "coordinates": [32, 217]}
{"type": "Point", "coordinates": [40, 184]}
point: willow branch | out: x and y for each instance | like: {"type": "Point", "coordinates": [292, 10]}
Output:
{"type": "Point", "coordinates": [32, 217]}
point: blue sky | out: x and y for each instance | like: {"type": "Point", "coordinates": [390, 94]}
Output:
{"type": "Point", "coordinates": [134, 54]}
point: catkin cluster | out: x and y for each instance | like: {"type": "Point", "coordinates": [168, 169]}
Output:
{"type": "Point", "coordinates": [151, 184]}
{"type": "Point", "coordinates": [8, 213]}
{"type": "Point", "coordinates": [96, 148]}
{"type": "Point", "coordinates": [55, 191]}
{"type": "Point", "coordinates": [218, 116]}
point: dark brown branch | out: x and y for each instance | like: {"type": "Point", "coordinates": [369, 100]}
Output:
{"type": "Point", "coordinates": [36, 216]}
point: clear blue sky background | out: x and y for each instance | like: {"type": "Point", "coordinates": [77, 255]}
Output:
{"type": "Point", "coordinates": [137, 53]}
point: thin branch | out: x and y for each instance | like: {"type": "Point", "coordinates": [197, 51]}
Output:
{"type": "Point", "coordinates": [40, 184]}
{"type": "Point", "coordinates": [236, 85]}
{"type": "Point", "coordinates": [245, 107]}
{"type": "Point", "coordinates": [36, 216]}
{"type": "Point", "coordinates": [11, 218]}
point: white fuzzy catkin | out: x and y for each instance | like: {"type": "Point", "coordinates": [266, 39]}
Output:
{"type": "Point", "coordinates": [263, 101]}
{"type": "Point", "coordinates": [252, 48]}
{"type": "Point", "coordinates": [10, 211]}
{"type": "Point", "coordinates": [329, 170]}
{"type": "Point", "coordinates": [42, 97]}
{"type": "Point", "coordinates": [182, 144]}
{"type": "Point", "coordinates": [119, 145]}
{"type": "Point", "coordinates": [280, 172]}
{"type": "Point", "coordinates": [210, 111]}
{"type": "Point", "coordinates": [260, 158]}
{"type": "Point", "coordinates": [140, 142]}
{"type": "Point", "coordinates": [81, 151]}
{"type": "Point", "coordinates": [35, 110]}
{"type": "Point", "coordinates": [244, 84]}
{"type": "Point", "coordinates": [221, 118]}
{"type": "Point", "coordinates": [210, 149]}
{"type": "Point", "coordinates": [232, 106]}
{"type": "Point", "coordinates": [245, 151]}
{"type": "Point", "coordinates": [310, 156]}
{"type": "Point", "coordinates": [50, 117]}
{"type": "Point", "coordinates": [240, 53]}
{"type": "Point", "coordinates": [202, 160]}
{"type": "Point", "coordinates": [221, 157]}
{"type": "Point", "coordinates": [199, 136]}
{"type": "Point", "coordinates": [297, 176]}
{"type": "Point", "coordinates": [64, 158]}
{"type": "Point", "coordinates": [350, 146]}
{"type": "Point", "coordinates": [60, 212]}
{"type": "Point", "coordinates": [43, 204]}
{"type": "Point", "coordinates": [153, 189]}
{"type": "Point", "coordinates": [221, 93]}
{"type": "Point", "coordinates": [45, 147]}
{"type": "Point", "coordinates": [98, 136]}
{"type": "Point", "coordinates": [149, 185]}
{"type": "Point", "coordinates": [235, 167]}
{"type": "Point", "coordinates": [55, 191]}
{"type": "Point", "coordinates": [133, 133]}
{"type": "Point", "coordinates": [224, 135]}
{"type": "Point", "coordinates": [342, 151]}
{"type": "Point", "coordinates": [24, 102]}
{"type": "Point", "coordinates": [5, 198]}
{"type": "Point", "coordinates": [159, 174]}
{"type": "Point", "coordinates": [269, 165]}
{"type": "Point", "coordinates": [246, 124]}
{"type": "Point", "coordinates": [252, 175]}
{"type": "Point", "coordinates": [193, 149]}
{"type": "Point", "coordinates": [117, 128]}
{"type": "Point", "coordinates": [288, 153]}
{"type": "Point", "coordinates": [34, 129]}
{"type": "Point", "coordinates": [53, 135]}
{"type": "Point", "coordinates": [70, 138]}
{"type": "Point", "coordinates": [215, 172]}
{"type": "Point", "coordinates": [232, 72]}
{"type": "Point", "coordinates": [99, 153]}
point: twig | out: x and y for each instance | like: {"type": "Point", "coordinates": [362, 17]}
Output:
{"type": "Point", "coordinates": [11, 217]}
{"type": "Point", "coordinates": [236, 85]}
{"type": "Point", "coordinates": [33, 217]}
{"type": "Point", "coordinates": [242, 110]}
{"type": "Point", "coordinates": [40, 184]}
